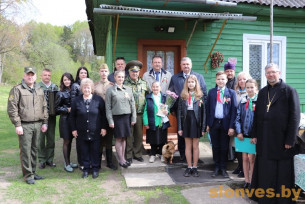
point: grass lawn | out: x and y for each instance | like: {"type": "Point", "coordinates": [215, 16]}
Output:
{"type": "Point", "coordinates": [60, 186]}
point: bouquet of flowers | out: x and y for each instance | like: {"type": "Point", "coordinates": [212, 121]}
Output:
{"type": "Point", "coordinates": [170, 98]}
{"type": "Point", "coordinates": [216, 58]}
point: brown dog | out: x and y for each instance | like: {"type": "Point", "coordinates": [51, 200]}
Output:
{"type": "Point", "coordinates": [168, 151]}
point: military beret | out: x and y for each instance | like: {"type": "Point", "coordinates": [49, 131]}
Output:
{"type": "Point", "coordinates": [229, 65]}
{"type": "Point", "coordinates": [134, 65]}
{"type": "Point", "coordinates": [29, 69]}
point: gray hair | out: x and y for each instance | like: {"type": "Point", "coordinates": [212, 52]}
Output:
{"type": "Point", "coordinates": [87, 81]}
{"type": "Point", "coordinates": [186, 59]}
{"type": "Point", "coordinates": [275, 66]}
{"type": "Point", "coordinates": [119, 71]}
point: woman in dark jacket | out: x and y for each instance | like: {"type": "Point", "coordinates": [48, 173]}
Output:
{"type": "Point", "coordinates": [81, 74]}
{"type": "Point", "coordinates": [63, 107]}
{"type": "Point", "coordinates": [156, 126]}
{"type": "Point", "coordinates": [88, 123]}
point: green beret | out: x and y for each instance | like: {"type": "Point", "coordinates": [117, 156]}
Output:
{"type": "Point", "coordinates": [29, 69]}
{"type": "Point", "coordinates": [134, 65]}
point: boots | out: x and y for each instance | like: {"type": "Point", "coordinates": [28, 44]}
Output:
{"type": "Point", "coordinates": [109, 159]}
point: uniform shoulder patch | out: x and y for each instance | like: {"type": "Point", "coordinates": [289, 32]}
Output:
{"type": "Point", "coordinates": [11, 97]}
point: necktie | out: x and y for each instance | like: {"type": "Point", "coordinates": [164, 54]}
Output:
{"type": "Point", "coordinates": [218, 95]}
{"type": "Point", "coordinates": [157, 76]}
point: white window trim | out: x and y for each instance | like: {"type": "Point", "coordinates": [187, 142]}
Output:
{"type": "Point", "coordinates": [262, 40]}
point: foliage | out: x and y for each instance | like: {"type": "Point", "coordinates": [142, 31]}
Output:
{"type": "Point", "coordinates": [217, 59]}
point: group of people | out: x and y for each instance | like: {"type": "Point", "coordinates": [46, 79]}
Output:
{"type": "Point", "coordinates": [122, 103]}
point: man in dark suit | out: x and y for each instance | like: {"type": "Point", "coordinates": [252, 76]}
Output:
{"type": "Point", "coordinates": [275, 128]}
{"type": "Point", "coordinates": [221, 114]}
{"type": "Point", "coordinates": [176, 85]}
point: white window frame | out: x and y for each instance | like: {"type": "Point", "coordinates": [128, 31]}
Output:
{"type": "Point", "coordinates": [264, 40]}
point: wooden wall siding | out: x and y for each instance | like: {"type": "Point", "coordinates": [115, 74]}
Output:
{"type": "Point", "coordinates": [230, 44]}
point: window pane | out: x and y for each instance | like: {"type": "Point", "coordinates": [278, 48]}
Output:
{"type": "Point", "coordinates": [150, 55]}
{"type": "Point", "coordinates": [275, 53]}
{"type": "Point", "coordinates": [255, 62]}
{"type": "Point", "coordinates": [170, 63]}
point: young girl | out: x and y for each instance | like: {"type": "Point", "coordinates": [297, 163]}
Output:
{"type": "Point", "coordinates": [191, 118]}
{"type": "Point", "coordinates": [63, 107]}
{"type": "Point", "coordinates": [243, 123]}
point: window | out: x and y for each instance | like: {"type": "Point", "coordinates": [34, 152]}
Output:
{"type": "Point", "coordinates": [256, 55]}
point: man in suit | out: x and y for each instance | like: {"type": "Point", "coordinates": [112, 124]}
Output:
{"type": "Point", "coordinates": [120, 65]}
{"type": "Point", "coordinates": [275, 128]}
{"type": "Point", "coordinates": [157, 74]}
{"type": "Point", "coordinates": [221, 114]}
{"type": "Point", "coordinates": [176, 85]}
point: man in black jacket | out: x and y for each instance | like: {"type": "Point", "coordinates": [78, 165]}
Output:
{"type": "Point", "coordinates": [275, 126]}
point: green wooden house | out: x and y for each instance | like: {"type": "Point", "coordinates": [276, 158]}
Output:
{"type": "Point", "coordinates": [240, 29]}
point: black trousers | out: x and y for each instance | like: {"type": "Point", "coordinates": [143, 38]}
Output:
{"type": "Point", "coordinates": [90, 151]}
{"type": "Point", "coordinates": [220, 144]}
{"type": "Point", "coordinates": [156, 149]}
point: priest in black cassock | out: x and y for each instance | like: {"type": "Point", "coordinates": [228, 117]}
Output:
{"type": "Point", "coordinates": [275, 126]}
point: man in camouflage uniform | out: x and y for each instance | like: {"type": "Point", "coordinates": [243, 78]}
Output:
{"type": "Point", "coordinates": [47, 139]}
{"type": "Point", "coordinates": [139, 88]}
{"type": "Point", "coordinates": [27, 109]}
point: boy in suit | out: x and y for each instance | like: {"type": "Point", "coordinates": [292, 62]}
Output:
{"type": "Point", "coordinates": [221, 114]}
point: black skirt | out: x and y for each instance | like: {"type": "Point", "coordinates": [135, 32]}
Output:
{"type": "Point", "coordinates": [156, 137]}
{"type": "Point", "coordinates": [190, 127]}
{"type": "Point", "coordinates": [122, 125]}
{"type": "Point", "coordinates": [65, 131]}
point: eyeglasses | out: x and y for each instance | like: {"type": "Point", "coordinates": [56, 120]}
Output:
{"type": "Point", "coordinates": [271, 72]}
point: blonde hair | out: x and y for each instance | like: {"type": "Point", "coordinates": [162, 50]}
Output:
{"type": "Point", "coordinates": [87, 81]}
{"type": "Point", "coordinates": [246, 74]}
{"type": "Point", "coordinates": [104, 66]}
{"type": "Point", "coordinates": [197, 91]}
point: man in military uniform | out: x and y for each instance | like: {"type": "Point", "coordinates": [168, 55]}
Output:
{"type": "Point", "coordinates": [139, 88]}
{"type": "Point", "coordinates": [100, 89]}
{"type": "Point", "coordinates": [27, 109]}
{"type": "Point", "coordinates": [47, 139]}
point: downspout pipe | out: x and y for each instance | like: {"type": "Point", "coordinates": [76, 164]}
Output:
{"type": "Point", "coordinates": [132, 11]}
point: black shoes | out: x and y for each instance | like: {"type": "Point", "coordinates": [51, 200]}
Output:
{"type": "Point", "coordinates": [182, 158]}
{"type": "Point", "coordinates": [241, 174]}
{"type": "Point", "coordinates": [85, 174]}
{"type": "Point", "coordinates": [129, 160]}
{"type": "Point", "coordinates": [36, 177]}
{"type": "Point", "coordinates": [30, 181]}
{"type": "Point", "coordinates": [111, 166]}
{"type": "Point", "coordinates": [187, 172]}
{"type": "Point", "coordinates": [125, 165]}
{"type": "Point", "coordinates": [140, 159]}
{"type": "Point", "coordinates": [224, 173]}
{"type": "Point", "coordinates": [246, 185]}
{"type": "Point", "coordinates": [236, 171]}
{"type": "Point", "coordinates": [195, 172]}
{"type": "Point", "coordinates": [215, 173]}
{"type": "Point", "coordinates": [51, 164]}
{"type": "Point", "coordinates": [42, 165]}
{"type": "Point", "coordinates": [94, 174]}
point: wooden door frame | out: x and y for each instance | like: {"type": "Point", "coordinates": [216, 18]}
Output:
{"type": "Point", "coordinates": [177, 43]}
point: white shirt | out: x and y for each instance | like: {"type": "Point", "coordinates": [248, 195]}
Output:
{"type": "Point", "coordinates": [219, 106]}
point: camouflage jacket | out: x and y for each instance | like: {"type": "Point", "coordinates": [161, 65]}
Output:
{"type": "Point", "coordinates": [139, 90]}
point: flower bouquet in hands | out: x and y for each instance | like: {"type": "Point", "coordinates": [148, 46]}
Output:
{"type": "Point", "coordinates": [170, 99]}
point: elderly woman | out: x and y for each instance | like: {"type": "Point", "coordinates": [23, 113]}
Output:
{"type": "Point", "coordinates": [240, 90]}
{"type": "Point", "coordinates": [121, 114]}
{"type": "Point", "coordinates": [63, 107]}
{"type": "Point", "coordinates": [156, 125]}
{"type": "Point", "coordinates": [81, 74]}
{"type": "Point", "coordinates": [88, 124]}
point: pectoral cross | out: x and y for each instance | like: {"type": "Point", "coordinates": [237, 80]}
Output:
{"type": "Point", "coordinates": [268, 106]}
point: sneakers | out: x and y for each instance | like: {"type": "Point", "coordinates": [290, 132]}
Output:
{"type": "Point", "coordinates": [69, 168]}
{"type": "Point", "coordinates": [73, 165]}
{"type": "Point", "coordinates": [188, 172]}
{"type": "Point", "coordinates": [152, 159]}
{"type": "Point", "coordinates": [195, 172]}
{"type": "Point", "coordinates": [162, 159]}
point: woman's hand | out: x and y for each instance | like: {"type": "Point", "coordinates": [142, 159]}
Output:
{"type": "Point", "coordinates": [253, 141]}
{"type": "Point", "coordinates": [240, 136]}
{"type": "Point", "coordinates": [74, 133]}
{"type": "Point", "coordinates": [231, 132]}
{"type": "Point", "coordinates": [208, 129]}
{"type": "Point", "coordinates": [103, 132]}
{"type": "Point", "coordinates": [180, 132]}
{"type": "Point", "coordinates": [133, 123]}
{"type": "Point", "coordinates": [111, 125]}
{"type": "Point", "coordinates": [146, 126]}
{"type": "Point", "coordinates": [165, 112]}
